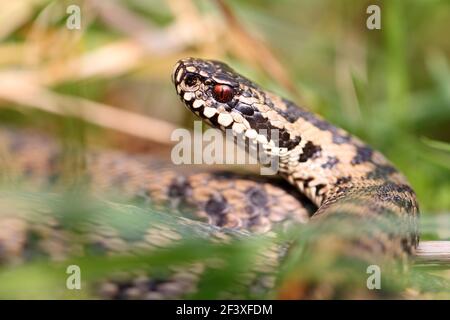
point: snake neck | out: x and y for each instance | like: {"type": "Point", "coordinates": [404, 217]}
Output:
{"type": "Point", "coordinates": [340, 173]}
{"type": "Point", "coordinates": [325, 158]}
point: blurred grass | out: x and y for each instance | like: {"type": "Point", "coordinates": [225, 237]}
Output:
{"type": "Point", "coordinates": [391, 86]}
{"type": "Point", "coordinates": [226, 263]}
{"type": "Point", "coordinates": [79, 214]}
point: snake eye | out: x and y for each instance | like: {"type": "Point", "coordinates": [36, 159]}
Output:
{"type": "Point", "coordinates": [191, 80]}
{"type": "Point", "coordinates": [223, 93]}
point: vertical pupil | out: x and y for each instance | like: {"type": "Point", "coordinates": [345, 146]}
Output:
{"type": "Point", "coordinates": [221, 93]}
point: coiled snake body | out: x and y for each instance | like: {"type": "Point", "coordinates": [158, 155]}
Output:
{"type": "Point", "coordinates": [340, 175]}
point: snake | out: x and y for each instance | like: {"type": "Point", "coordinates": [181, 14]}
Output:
{"type": "Point", "coordinates": [324, 176]}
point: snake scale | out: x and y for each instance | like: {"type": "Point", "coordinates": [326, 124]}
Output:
{"type": "Point", "coordinates": [325, 171]}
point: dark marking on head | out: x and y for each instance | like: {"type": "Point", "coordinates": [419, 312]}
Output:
{"type": "Point", "coordinates": [244, 109]}
{"type": "Point", "coordinates": [256, 120]}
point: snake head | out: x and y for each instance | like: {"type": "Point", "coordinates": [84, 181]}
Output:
{"type": "Point", "coordinates": [227, 100]}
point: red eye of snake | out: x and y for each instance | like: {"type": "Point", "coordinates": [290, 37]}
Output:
{"type": "Point", "coordinates": [223, 93]}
